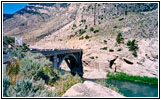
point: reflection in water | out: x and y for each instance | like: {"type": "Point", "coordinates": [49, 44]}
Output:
{"type": "Point", "coordinates": [132, 89]}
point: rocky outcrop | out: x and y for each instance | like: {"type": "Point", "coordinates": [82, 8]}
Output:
{"type": "Point", "coordinates": [90, 89]}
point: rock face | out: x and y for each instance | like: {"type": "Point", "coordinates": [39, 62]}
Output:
{"type": "Point", "coordinates": [90, 89]}
{"type": "Point", "coordinates": [58, 26]}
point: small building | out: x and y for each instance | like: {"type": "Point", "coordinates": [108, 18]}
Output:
{"type": "Point", "coordinates": [18, 40]}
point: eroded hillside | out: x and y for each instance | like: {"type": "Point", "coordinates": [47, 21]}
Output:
{"type": "Point", "coordinates": [73, 27]}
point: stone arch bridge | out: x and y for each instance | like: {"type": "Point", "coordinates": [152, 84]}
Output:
{"type": "Point", "coordinates": [73, 58]}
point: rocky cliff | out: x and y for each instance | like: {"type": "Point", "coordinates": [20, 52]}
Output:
{"type": "Point", "coordinates": [70, 26]}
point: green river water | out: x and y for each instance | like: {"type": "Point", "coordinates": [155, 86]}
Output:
{"type": "Point", "coordinates": [127, 88]}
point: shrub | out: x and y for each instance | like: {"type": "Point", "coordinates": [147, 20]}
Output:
{"type": "Point", "coordinates": [25, 88]}
{"type": "Point", "coordinates": [111, 50]}
{"type": "Point", "coordinates": [91, 57]}
{"type": "Point", "coordinates": [119, 49]}
{"type": "Point", "coordinates": [83, 21]}
{"type": "Point", "coordinates": [81, 38]}
{"type": "Point", "coordinates": [50, 75]}
{"type": "Point", "coordinates": [132, 47]}
{"type": "Point", "coordinates": [5, 50]}
{"type": "Point", "coordinates": [65, 82]}
{"type": "Point", "coordinates": [121, 19]}
{"type": "Point", "coordinates": [71, 36]}
{"type": "Point", "coordinates": [91, 29]}
{"type": "Point", "coordinates": [95, 31]}
{"type": "Point", "coordinates": [134, 53]}
{"type": "Point", "coordinates": [6, 86]}
{"type": "Point", "coordinates": [87, 37]}
{"type": "Point", "coordinates": [119, 38]}
{"type": "Point", "coordinates": [81, 31]}
{"type": "Point", "coordinates": [17, 53]}
{"type": "Point", "coordinates": [115, 27]}
{"type": "Point", "coordinates": [13, 70]}
{"type": "Point", "coordinates": [32, 64]}
{"type": "Point", "coordinates": [105, 41]}
{"type": "Point", "coordinates": [8, 40]}
{"type": "Point", "coordinates": [25, 47]}
{"type": "Point", "coordinates": [104, 48]}
{"type": "Point", "coordinates": [74, 25]}
{"type": "Point", "coordinates": [86, 26]}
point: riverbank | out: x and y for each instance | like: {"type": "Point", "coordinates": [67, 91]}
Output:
{"type": "Point", "coordinates": [138, 79]}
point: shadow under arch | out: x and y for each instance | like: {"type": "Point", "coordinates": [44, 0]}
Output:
{"type": "Point", "coordinates": [74, 63]}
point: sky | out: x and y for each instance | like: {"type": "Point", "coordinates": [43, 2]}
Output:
{"type": "Point", "coordinates": [10, 8]}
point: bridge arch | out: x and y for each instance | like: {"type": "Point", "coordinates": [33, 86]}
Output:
{"type": "Point", "coordinates": [73, 62]}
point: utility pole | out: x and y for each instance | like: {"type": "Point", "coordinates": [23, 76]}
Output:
{"type": "Point", "coordinates": [95, 13]}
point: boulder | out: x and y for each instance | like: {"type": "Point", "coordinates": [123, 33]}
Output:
{"type": "Point", "coordinates": [90, 89]}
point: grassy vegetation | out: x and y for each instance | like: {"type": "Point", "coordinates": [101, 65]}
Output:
{"type": "Point", "coordinates": [95, 31]}
{"type": "Point", "coordinates": [65, 82]}
{"type": "Point", "coordinates": [121, 19]}
{"type": "Point", "coordinates": [81, 38]}
{"type": "Point", "coordinates": [87, 37]}
{"type": "Point", "coordinates": [119, 49]}
{"type": "Point", "coordinates": [81, 31]}
{"type": "Point", "coordinates": [10, 41]}
{"type": "Point", "coordinates": [27, 76]}
{"type": "Point", "coordinates": [138, 79]}
{"type": "Point", "coordinates": [91, 29]}
{"type": "Point", "coordinates": [91, 57]}
{"type": "Point", "coordinates": [115, 26]}
{"type": "Point", "coordinates": [111, 50]}
{"type": "Point", "coordinates": [105, 41]}
{"type": "Point", "coordinates": [104, 48]}
{"type": "Point", "coordinates": [132, 47]}
{"type": "Point", "coordinates": [119, 38]}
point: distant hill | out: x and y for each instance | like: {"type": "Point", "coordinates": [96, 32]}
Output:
{"type": "Point", "coordinates": [41, 19]}
{"type": "Point", "coordinates": [7, 16]}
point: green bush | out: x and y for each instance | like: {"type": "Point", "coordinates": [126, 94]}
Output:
{"type": "Point", "coordinates": [111, 50]}
{"type": "Point", "coordinates": [91, 29]}
{"type": "Point", "coordinates": [87, 37]}
{"type": "Point", "coordinates": [25, 47]}
{"type": "Point", "coordinates": [104, 48]}
{"type": "Point", "coordinates": [32, 64]}
{"type": "Point", "coordinates": [81, 31]}
{"type": "Point", "coordinates": [134, 53]}
{"type": "Point", "coordinates": [119, 38]}
{"type": "Point", "coordinates": [105, 41]}
{"type": "Point", "coordinates": [8, 40]}
{"type": "Point", "coordinates": [65, 82]}
{"type": "Point", "coordinates": [119, 49]}
{"type": "Point", "coordinates": [132, 47]}
{"type": "Point", "coordinates": [50, 75]}
{"type": "Point", "coordinates": [115, 26]}
{"type": "Point", "coordinates": [74, 25]}
{"type": "Point", "coordinates": [5, 50]}
{"type": "Point", "coordinates": [71, 36]}
{"type": "Point", "coordinates": [91, 57]}
{"type": "Point", "coordinates": [95, 31]}
{"type": "Point", "coordinates": [25, 88]}
{"type": "Point", "coordinates": [17, 53]}
{"type": "Point", "coordinates": [121, 19]}
{"type": "Point", "coordinates": [86, 26]}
